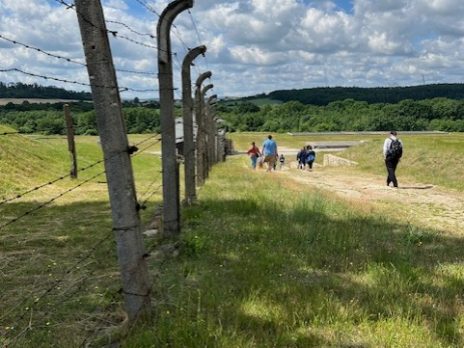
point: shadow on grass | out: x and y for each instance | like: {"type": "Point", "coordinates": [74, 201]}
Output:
{"type": "Point", "coordinates": [59, 276]}
{"type": "Point", "coordinates": [424, 187]}
{"type": "Point", "coordinates": [257, 274]}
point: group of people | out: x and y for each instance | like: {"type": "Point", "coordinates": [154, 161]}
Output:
{"type": "Point", "coordinates": [306, 157]}
{"type": "Point", "coordinates": [268, 155]}
{"type": "Point", "coordinates": [392, 152]}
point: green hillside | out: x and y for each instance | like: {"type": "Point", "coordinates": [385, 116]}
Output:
{"type": "Point", "coordinates": [265, 260]}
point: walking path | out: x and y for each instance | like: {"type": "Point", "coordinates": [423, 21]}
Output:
{"type": "Point", "coordinates": [420, 203]}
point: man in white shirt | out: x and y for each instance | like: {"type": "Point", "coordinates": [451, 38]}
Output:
{"type": "Point", "coordinates": [392, 152]}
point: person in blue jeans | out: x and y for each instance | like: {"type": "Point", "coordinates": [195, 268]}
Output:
{"type": "Point", "coordinates": [254, 154]}
{"type": "Point", "coordinates": [270, 153]}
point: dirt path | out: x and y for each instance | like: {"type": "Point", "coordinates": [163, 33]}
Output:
{"type": "Point", "coordinates": [427, 205]}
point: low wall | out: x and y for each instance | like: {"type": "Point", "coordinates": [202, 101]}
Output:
{"type": "Point", "coordinates": [335, 161]}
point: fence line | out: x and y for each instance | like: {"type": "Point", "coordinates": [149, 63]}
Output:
{"type": "Point", "coordinates": [121, 89]}
{"type": "Point", "coordinates": [149, 191]}
{"type": "Point", "coordinates": [51, 182]}
{"type": "Point", "coordinates": [49, 201]}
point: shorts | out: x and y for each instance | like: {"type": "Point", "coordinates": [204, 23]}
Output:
{"type": "Point", "coordinates": [270, 159]}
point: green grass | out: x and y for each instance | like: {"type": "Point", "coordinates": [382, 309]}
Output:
{"type": "Point", "coordinates": [264, 262]}
{"type": "Point", "coordinates": [37, 252]}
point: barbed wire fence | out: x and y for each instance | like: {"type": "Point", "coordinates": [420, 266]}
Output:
{"type": "Point", "coordinates": [33, 310]}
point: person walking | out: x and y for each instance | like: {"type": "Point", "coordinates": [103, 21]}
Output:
{"type": "Point", "coordinates": [392, 152]}
{"type": "Point", "coordinates": [281, 161]}
{"type": "Point", "coordinates": [301, 158]}
{"type": "Point", "coordinates": [254, 154]}
{"type": "Point", "coordinates": [270, 152]}
{"type": "Point", "coordinates": [310, 157]}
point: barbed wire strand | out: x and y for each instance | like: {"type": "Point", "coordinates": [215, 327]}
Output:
{"type": "Point", "coordinates": [150, 73]}
{"type": "Point", "coordinates": [195, 27]}
{"type": "Point", "coordinates": [29, 212]}
{"type": "Point", "coordinates": [15, 42]}
{"type": "Point", "coordinates": [113, 33]}
{"type": "Point", "coordinates": [70, 60]}
{"type": "Point", "coordinates": [147, 197]}
{"type": "Point", "coordinates": [131, 29]}
{"type": "Point", "coordinates": [139, 152]}
{"type": "Point", "coordinates": [62, 177]}
{"type": "Point", "coordinates": [121, 89]}
{"type": "Point", "coordinates": [152, 10]}
{"type": "Point", "coordinates": [200, 42]}
{"type": "Point", "coordinates": [55, 284]}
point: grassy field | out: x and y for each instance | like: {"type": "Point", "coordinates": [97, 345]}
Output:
{"type": "Point", "coordinates": [267, 263]}
{"type": "Point", "coordinates": [59, 278]}
{"type": "Point", "coordinates": [264, 261]}
{"type": "Point", "coordinates": [428, 159]}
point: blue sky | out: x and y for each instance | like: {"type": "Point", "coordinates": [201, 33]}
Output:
{"type": "Point", "coordinates": [254, 46]}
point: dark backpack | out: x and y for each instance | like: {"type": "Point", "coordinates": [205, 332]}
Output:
{"type": "Point", "coordinates": [396, 149]}
{"type": "Point", "coordinates": [310, 157]}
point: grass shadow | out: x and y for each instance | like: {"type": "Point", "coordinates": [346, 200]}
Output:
{"type": "Point", "coordinates": [258, 274]}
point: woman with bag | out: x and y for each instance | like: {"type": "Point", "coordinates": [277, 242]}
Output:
{"type": "Point", "coordinates": [254, 153]}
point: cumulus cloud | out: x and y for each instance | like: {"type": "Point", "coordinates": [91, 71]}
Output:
{"type": "Point", "coordinates": [254, 46]}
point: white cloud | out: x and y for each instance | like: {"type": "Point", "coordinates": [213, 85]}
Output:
{"type": "Point", "coordinates": [254, 45]}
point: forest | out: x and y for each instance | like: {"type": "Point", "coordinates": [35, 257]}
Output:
{"type": "Point", "coordinates": [23, 90]}
{"type": "Point", "coordinates": [440, 114]}
{"type": "Point", "coordinates": [49, 118]}
{"type": "Point", "coordinates": [350, 114]}
{"type": "Point", "coordinates": [391, 95]}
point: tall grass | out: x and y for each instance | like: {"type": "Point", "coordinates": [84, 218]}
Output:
{"type": "Point", "coordinates": [266, 263]}
{"type": "Point", "coordinates": [48, 298]}
{"type": "Point", "coordinates": [427, 159]}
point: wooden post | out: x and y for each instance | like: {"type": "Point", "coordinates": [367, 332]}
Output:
{"type": "Point", "coordinates": [136, 284]}
{"type": "Point", "coordinates": [201, 135]}
{"type": "Point", "coordinates": [171, 194]}
{"type": "Point", "coordinates": [187, 112]}
{"type": "Point", "coordinates": [71, 144]}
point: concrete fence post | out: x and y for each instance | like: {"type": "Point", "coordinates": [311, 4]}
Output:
{"type": "Point", "coordinates": [171, 194]}
{"type": "Point", "coordinates": [201, 135]}
{"type": "Point", "coordinates": [211, 129]}
{"type": "Point", "coordinates": [187, 113]}
{"type": "Point", "coordinates": [71, 143]}
{"type": "Point", "coordinates": [207, 129]}
{"type": "Point", "coordinates": [136, 284]}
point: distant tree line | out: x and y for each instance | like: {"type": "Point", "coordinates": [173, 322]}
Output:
{"type": "Point", "coordinates": [440, 114]}
{"type": "Point", "coordinates": [49, 118]}
{"type": "Point", "coordinates": [22, 90]}
{"type": "Point", "coordinates": [391, 95]}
